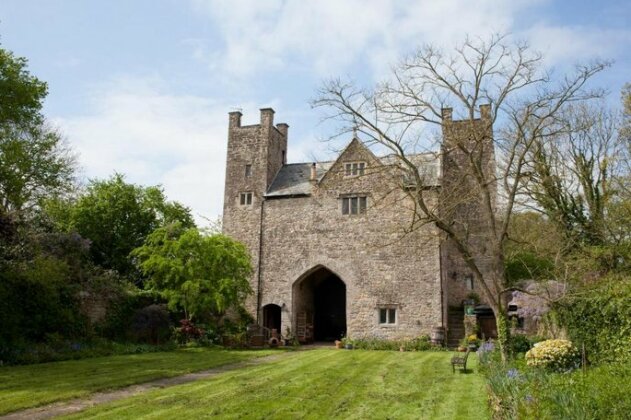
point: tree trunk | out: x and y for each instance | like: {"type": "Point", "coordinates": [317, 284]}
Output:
{"type": "Point", "coordinates": [503, 332]}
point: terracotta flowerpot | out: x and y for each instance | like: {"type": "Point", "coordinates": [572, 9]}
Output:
{"type": "Point", "coordinates": [338, 344]}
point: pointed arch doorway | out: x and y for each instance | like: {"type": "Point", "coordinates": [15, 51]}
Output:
{"type": "Point", "coordinates": [319, 306]}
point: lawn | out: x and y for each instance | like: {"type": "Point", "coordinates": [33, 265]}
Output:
{"type": "Point", "coordinates": [29, 386]}
{"type": "Point", "coordinates": [320, 384]}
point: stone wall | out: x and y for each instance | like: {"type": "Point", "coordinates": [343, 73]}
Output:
{"type": "Point", "coordinates": [382, 266]}
{"type": "Point", "coordinates": [263, 147]}
{"type": "Point", "coordinates": [369, 252]}
{"type": "Point", "coordinates": [461, 201]}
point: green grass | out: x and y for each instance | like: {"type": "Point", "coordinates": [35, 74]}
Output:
{"type": "Point", "coordinates": [320, 384]}
{"type": "Point", "coordinates": [30, 386]}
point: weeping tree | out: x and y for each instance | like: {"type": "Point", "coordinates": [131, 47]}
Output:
{"type": "Point", "coordinates": [203, 275]}
{"type": "Point", "coordinates": [506, 102]}
{"type": "Point", "coordinates": [575, 170]}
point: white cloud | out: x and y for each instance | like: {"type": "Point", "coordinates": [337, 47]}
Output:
{"type": "Point", "coordinates": [571, 44]}
{"type": "Point", "coordinates": [153, 137]}
{"type": "Point", "coordinates": [328, 35]}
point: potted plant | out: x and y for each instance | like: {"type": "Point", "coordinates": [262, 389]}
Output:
{"type": "Point", "coordinates": [339, 344]}
{"type": "Point", "coordinates": [472, 342]}
{"type": "Point", "coordinates": [347, 343]}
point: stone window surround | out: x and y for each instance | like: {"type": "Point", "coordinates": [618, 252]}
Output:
{"type": "Point", "coordinates": [388, 309]}
{"type": "Point", "coordinates": [360, 210]}
{"type": "Point", "coordinates": [246, 198]}
{"type": "Point", "coordinates": [354, 169]}
{"type": "Point", "coordinates": [248, 170]}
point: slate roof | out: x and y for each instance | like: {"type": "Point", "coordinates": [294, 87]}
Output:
{"type": "Point", "coordinates": [293, 178]}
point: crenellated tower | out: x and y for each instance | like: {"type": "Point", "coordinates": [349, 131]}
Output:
{"type": "Point", "coordinates": [255, 155]}
{"type": "Point", "coordinates": [467, 151]}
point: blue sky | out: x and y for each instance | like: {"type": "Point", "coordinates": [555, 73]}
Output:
{"type": "Point", "coordinates": [144, 87]}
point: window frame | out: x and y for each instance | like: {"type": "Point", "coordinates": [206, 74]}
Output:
{"type": "Point", "coordinates": [246, 198]}
{"type": "Point", "coordinates": [387, 312]}
{"type": "Point", "coordinates": [354, 204]}
{"type": "Point", "coordinates": [354, 169]}
{"type": "Point", "coordinates": [248, 170]}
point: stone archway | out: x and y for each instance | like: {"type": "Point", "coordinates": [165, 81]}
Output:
{"type": "Point", "coordinates": [319, 301]}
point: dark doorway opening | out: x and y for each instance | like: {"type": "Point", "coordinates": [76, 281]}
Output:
{"type": "Point", "coordinates": [271, 317]}
{"type": "Point", "coordinates": [329, 315]}
{"type": "Point", "coordinates": [320, 306]}
{"type": "Point", "coordinates": [486, 321]}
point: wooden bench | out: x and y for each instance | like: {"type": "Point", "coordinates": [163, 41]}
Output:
{"type": "Point", "coordinates": [460, 361]}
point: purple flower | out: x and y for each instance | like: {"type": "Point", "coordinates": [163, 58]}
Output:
{"type": "Point", "coordinates": [512, 373]}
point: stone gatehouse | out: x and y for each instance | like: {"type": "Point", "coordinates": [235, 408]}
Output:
{"type": "Point", "coordinates": [328, 240]}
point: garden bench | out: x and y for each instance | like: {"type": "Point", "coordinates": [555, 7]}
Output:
{"type": "Point", "coordinates": [460, 361]}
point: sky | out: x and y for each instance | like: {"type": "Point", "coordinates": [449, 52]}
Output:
{"type": "Point", "coordinates": [144, 87]}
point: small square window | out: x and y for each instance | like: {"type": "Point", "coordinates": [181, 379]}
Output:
{"type": "Point", "coordinates": [245, 199]}
{"type": "Point", "coordinates": [387, 316]}
{"type": "Point", "coordinates": [248, 170]}
{"type": "Point", "coordinates": [469, 282]}
{"type": "Point", "coordinates": [354, 169]}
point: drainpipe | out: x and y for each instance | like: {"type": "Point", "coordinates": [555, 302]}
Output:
{"type": "Point", "coordinates": [442, 292]}
{"type": "Point", "coordinates": [258, 291]}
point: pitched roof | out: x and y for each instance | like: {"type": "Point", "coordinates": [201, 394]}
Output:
{"type": "Point", "coordinates": [293, 178]}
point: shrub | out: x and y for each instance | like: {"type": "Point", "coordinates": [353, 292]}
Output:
{"type": "Point", "coordinates": [187, 332]}
{"type": "Point", "coordinates": [556, 355]}
{"type": "Point", "coordinates": [600, 317]}
{"type": "Point", "coordinates": [520, 344]}
{"type": "Point", "coordinates": [419, 343]}
{"type": "Point", "coordinates": [121, 310]}
{"type": "Point", "coordinates": [56, 348]}
{"type": "Point", "coordinates": [151, 324]}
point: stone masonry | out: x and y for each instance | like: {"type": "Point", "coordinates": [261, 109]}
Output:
{"type": "Point", "coordinates": [295, 227]}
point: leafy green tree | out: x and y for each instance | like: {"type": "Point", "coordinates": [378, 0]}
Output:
{"type": "Point", "coordinates": [116, 217]}
{"type": "Point", "coordinates": [34, 161]}
{"type": "Point", "coordinates": [204, 275]}
{"type": "Point", "coordinates": [21, 94]}
{"type": "Point", "coordinates": [34, 164]}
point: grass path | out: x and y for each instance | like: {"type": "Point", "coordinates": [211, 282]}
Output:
{"type": "Point", "coordinates": [319, 384]}
{"type": "Point", "coordinates": [23, 387]}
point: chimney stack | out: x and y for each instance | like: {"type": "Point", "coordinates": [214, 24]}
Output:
{"type": "Point", "coordinates": [283, 128]}
{"type": "Point", "coordinates": [234, 119]}
{"type": "Point", "coordinates": [267, 117]}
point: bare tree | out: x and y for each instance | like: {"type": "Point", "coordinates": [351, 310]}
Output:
{"type": "Point", "coordinates": [518, 102]}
